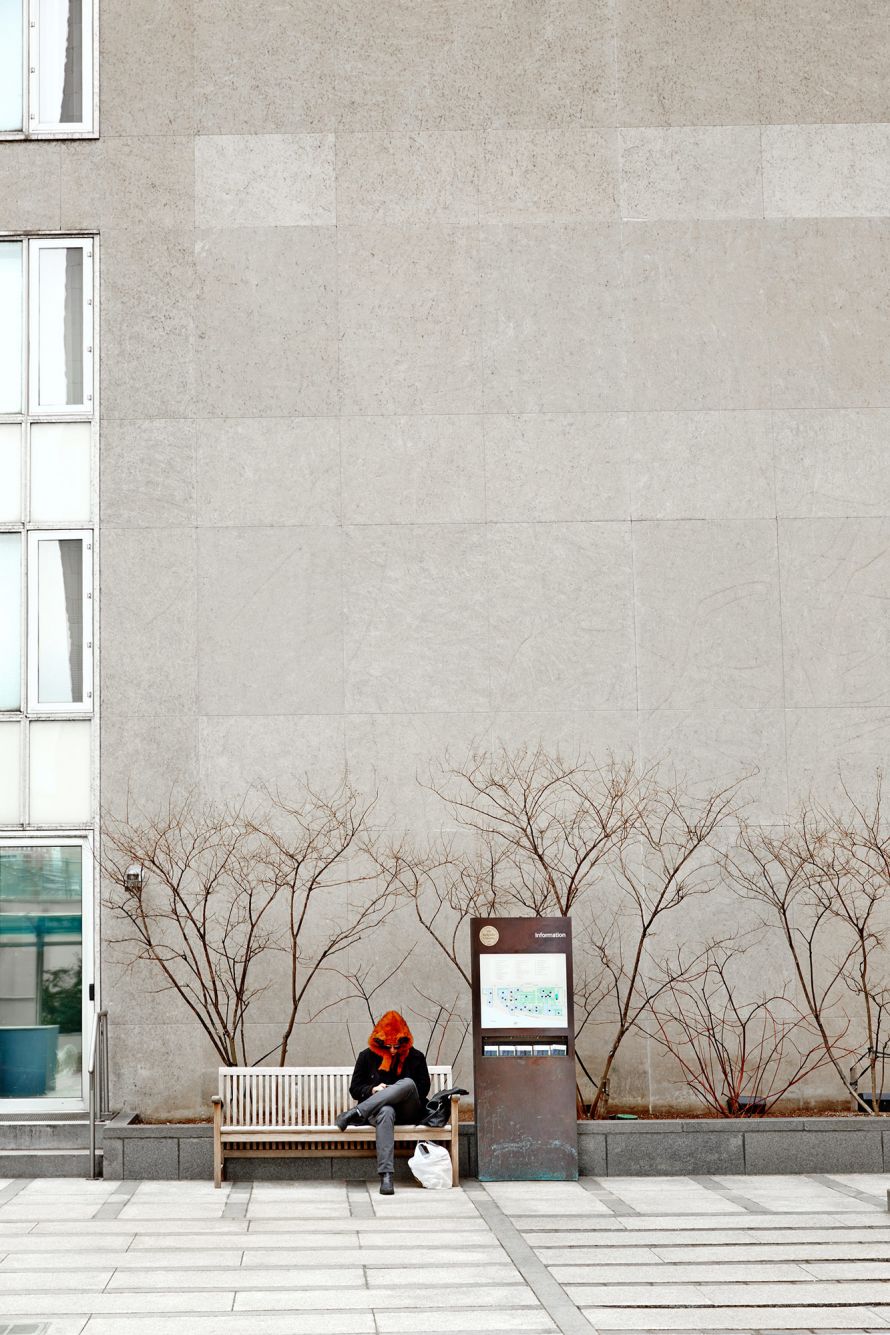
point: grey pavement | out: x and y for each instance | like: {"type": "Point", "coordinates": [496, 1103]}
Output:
{"type": "Point", "coordinates": [739, 1255]}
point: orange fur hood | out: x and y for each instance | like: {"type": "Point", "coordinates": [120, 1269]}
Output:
{"type": "Point", "coordinates": [390, 1029]}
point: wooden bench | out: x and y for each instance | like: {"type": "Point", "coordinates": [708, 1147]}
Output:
{"type": "Point", "coordinates": [289, 1111]}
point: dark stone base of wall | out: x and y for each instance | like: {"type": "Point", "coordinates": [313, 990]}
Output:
{"type": "Point", "coordinates": [606, 1149]}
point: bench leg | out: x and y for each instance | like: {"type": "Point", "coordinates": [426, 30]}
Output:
{"type": "Point", "coordinates": [217, 1145]}
{"type": "Point", "coordinates": [455, 1141]}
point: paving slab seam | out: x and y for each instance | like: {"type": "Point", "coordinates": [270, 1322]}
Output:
{"type": "Point", "coordinates": [564, 1313]}
{"type": "Point", "coordinates": [825, 1180]}
{"type": "Point", "coordinates": [238, 1202]}
{"type": "Point", "coordinates": [727, 1193]}
{"type": "Point", "coordinates": [8, 1192]}
{"type": "Point", "coordinates": [121, 1196]}
{"type": "Point", "coordinates": [613, 1203]}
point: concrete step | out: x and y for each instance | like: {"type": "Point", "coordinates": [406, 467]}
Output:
{"type": "Point", "coordinates": [50, 1134]}
{"type": "Point", "coordinates": [46, 1163]}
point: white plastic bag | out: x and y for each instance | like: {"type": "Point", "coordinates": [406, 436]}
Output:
{"type": "Point", "coordinates": [431, 1165]}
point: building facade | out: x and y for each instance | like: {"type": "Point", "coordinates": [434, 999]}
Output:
{"type": "Point", "coordinates": [414, 375]}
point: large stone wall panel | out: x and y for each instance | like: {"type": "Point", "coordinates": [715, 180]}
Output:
{"type": "Point", "coordinates": [146, 56]}
{"type": "Point", "coordinates": [695, 313]}
{"type": "Point", "coordinates": [269, 624]}
{"type": "Point", "coordinates": [147, 621]}
{"type": "Point", "coordinates": [835, 575]}
{"type": "Point", "coordinates": [557, 467]}
{"type": "Point", "coordinates": [148, 473]}
{"type": "Point", "coordinates": [266, 321]}
{"type": "Point", "coordinates": [401, 177]}
{"type": "Point", "coordinates": [832, 462]}
{"type": "Point", "coordinates": [701, 465]}
{"type": "Point", "coordinates": [824, 60]}
{"type": "Point", "coordinates": [691, 172]}
{"type": "Point", "coordinates": [264, 68]}
{"type": "Point", "coordinates": [415, 618]}
{"type": "Point", "coordinates": [687, 62]}
{"type": "Point", "coordinates": [553, 332]}
{"type": "Point", "coordinates": [560, 614]}
{"type": "Point", "coordinates": [826, 171]}
{"type": "Point", "coordinates": [708, 615]}
{"type": "Point", "coordinates": [413, 470]}
{"type": "Point", "coordinates": [29, 186]}
{"type": "Point", "coordinates": [147, 303]}
{"type": "Point", "coordinates": [548, 174]}
{"type": "Point", "coordinates": [409, 319]}
{"type": "Point", "coordinates": [828, 285]}
{"type": "Point", "coordinates": [264, 180]}
{"type": "Point", "coordinates": [137, 181]}
{"type": "Point", "coordinates": [268, 472]}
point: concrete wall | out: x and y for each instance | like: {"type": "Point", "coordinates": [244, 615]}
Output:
{"type": "Point", "coordinates": [481, 372]}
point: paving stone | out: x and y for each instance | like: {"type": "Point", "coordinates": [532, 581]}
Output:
{"type": "Point", "coordinates": [442, 1297]}
{"type": "Point", "coordinates": [234, 1323]}
{"type": "Point", "coordinates": [734, 1319]}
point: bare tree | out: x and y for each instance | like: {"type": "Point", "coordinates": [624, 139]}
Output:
{"type": "Point", "coordinates": [223, 895]}
{"type": "Point", "coordinates": [672, 857]}
{"type": "Point", "coordinates": [549, 822]}
{"type": "Point", "coordinates": [824, 880]}
{"type": "Point", "coordinates": [611, 846]}
{"type": "Point", "coordinates": [738, 1056]}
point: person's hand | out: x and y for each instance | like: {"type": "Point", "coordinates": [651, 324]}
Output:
{"type": "Point", "coordinates": [377, 1089]}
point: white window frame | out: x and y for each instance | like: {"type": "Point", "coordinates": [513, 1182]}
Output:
{"type": "Point", "coordinates": [36, 247]}
{"type": "Point", "coordinates": [34, 705]}
{"type": "Point", "coordinates": [88, 972]}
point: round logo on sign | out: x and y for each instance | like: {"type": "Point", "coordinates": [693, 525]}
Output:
{"type": "Point", "coordinates": [489, 936]}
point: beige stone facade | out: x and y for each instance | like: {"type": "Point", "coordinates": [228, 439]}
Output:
{"type": "Point", "coordinates": [479, 372]}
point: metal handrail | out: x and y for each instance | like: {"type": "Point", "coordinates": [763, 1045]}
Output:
{"type": "Point", "coordinates": [99, 1084]}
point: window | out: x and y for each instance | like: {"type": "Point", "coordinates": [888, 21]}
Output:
{"type": "Point", "coordinates": [54, 41]}
{"type": "Point", "coordinates": [45, 934]}
{"type": "Point", "coordinates": [61, 343]}
{"type": "Point", "coordinates": [47, 488]}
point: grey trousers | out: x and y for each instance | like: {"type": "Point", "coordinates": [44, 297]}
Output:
{"type": "Point", "coordinates": [397, 1103]}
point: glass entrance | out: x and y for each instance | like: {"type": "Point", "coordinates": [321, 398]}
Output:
{"type": "Point", "coordinates": [44, 947]}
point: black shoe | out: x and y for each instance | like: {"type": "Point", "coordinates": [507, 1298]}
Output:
{"type": "Point", "coordinates": [386, 1187]}
{"type": "Point", "coordinates": [351, 1117]}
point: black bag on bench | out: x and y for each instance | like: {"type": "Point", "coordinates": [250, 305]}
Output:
{"type": "Point", "coordinates": [438, 1108]}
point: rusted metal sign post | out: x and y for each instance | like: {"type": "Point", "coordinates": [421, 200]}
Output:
{"type": "Point", "coordinates": [523, 1049]}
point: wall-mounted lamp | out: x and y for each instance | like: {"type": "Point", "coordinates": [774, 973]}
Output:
{"type": "Point", "coordinates": [134, 876]}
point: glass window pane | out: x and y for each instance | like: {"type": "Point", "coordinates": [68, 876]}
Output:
{"type": "Point", "coordinates": [10, 326]}
{"type": "Point", "coordinates": [60, 471]}
{"type": "Point", "coordinates": [60, 316]}
{"type": "Point", "coordinates": [10, 64]}
{"type": "Point", "coordinates": [10, 773]}
{"type": "Point", "coordinates": [10, 621]}
{"type": "Point", "coordinates": [41, 953]}
{"type": "Point", "coordinates": [60, 68]}
{"type": "Point", "coordinates": [60, 621]}
{"type": "Point", "coordinates": [60, 772]}
{"type": "Point", "coordinates": [10, 472]}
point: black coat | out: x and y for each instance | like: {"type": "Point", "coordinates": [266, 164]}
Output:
{"type": "Point", "coordinates": [367, 1074]}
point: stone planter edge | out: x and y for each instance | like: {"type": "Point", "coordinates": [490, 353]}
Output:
{"type": "Point", "coordinates": [739, 1146]}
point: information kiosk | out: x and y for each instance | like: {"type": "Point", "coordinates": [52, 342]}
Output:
{"type": "Point", "coordinates": [523, 1049]}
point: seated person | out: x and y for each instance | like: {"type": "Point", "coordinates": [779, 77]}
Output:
{"type": "Point", "coordinates": [389, 1084]}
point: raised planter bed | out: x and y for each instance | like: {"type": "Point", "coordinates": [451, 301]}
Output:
{"type": "Point", "coordinates": [606, 1149]}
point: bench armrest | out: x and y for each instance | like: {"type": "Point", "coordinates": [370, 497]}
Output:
{"type": "Point", "coordinates": [215, 1098]}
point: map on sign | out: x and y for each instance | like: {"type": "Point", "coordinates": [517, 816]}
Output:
{"type": "Point", "coordinates": [523, 991]}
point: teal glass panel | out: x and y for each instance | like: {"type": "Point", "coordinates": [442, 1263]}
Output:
{"type": "Point", "coordinates": [41, 945]}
